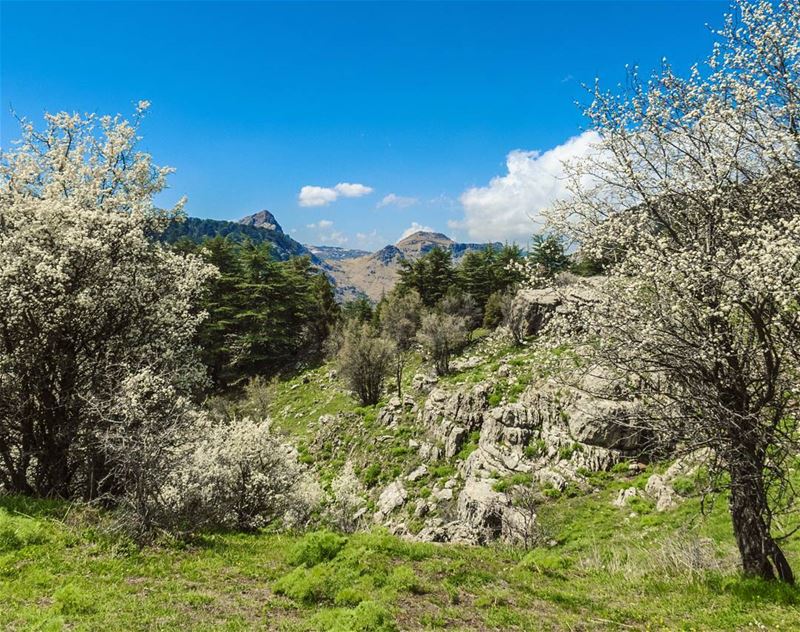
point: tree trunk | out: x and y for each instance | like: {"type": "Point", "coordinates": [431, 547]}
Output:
{"type": "Point", "coordinates": [761, 556]}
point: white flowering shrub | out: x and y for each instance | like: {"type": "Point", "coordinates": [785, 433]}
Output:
{"type": "Point", "coordinates": [90, 304]}
{"type": "Point", "coordinates": [348, 500]}
{"type": "Point", "coordinates": [692, 200]}
{"type": "Point", "coordinates": [237, 475]}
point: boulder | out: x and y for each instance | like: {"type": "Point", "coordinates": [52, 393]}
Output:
{"type": "Point", "coordinates": [423, 383]}
{"type": "Point", "coordinates": [480, 509]}
{"type": "Point", "coordinates": [532, 309]}
{"type": "Point", "coordinates": [391, 498]}
{"type": "Point", "coordinates": [624, 496]}
{"type": "Point", "coordinates": [418, 473]}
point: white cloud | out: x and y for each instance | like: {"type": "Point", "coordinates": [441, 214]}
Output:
{"type": "Point", "coordinates": [510, 206]}
{"type": "Point", "coordinates": [316, 196]}
{"type": "Point", "coordinates": [414, 228]}
{"type": "Point", "coordinates": [322, 196]}
{"type": "Point", "coordinates": [399, 201]}
{"type": "Point", "coordinates": [335, 237]}
{"type": "Point", "coordinates": [346, 189]}
{"type": "Point", "coordinates": [321, 224]}
{"type": "Point", "coordinates": [326, 234]}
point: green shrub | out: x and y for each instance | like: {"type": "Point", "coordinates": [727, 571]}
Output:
{"type": "Point", "coordinates": [317, 547]}
{"type": "Point", "coordinates": [565, 452]}
{"type": "Point", "coordinates": [404, 578]}
{"type": "Point", "coordinates": [443, 471]}
{"type": "Point", "coordinates": [520, 478]}
{"type": "Point", "coordinates": [545, 561]}
{"type": "Point", "coordinates": [368, 616]}
{"type": "Point", "coordinates": [71, 600]}
{"type": "Point", "coordinates": [372, 475]}
{"type": "Point", "coordinates": [535, 449]}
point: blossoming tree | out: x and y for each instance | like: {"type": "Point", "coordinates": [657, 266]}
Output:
{"type": "Point", "coordinates": [90, 303]}
{"type": "Point", "coordinates": [693, 196]}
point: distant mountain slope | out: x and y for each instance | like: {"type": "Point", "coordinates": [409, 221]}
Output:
{"type": "Point", "coordinates": [335, 253]}
{"type": "Point", "coordinates": [354, 272]}
{"type": "Point", "coordinates": [377, 273]}
{"type": "Point", "coordinates": [259, 227]}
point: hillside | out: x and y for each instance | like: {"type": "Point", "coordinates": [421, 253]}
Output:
{"type": "Point", "coordinates": [601, 564]}
{"type": "Point", "coordinates": [260, 227]}
{"type": "Point", "coordinates": [376, 273]}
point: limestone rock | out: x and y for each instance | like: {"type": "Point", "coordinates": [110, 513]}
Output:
{"type": "Point", "coordinates": [423, 383]}
{"type": "Point", "coordinates": [661, 491]}
{"type": "Point", "coordinates": [444, 494]}
{"type": "Point", "coordinates": [393, 497]}
{"type": "Point", "coordinates": [534, 308]}
{"type": "Point", "coordinates": [418, 473]}
{"type": "Point", "coordinates": [624, 496]}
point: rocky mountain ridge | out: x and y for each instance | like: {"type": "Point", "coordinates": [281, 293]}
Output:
{"type": "Point", "coordinates": [376, 273]}
{"type": "Point", "coordinates": [354, 272]}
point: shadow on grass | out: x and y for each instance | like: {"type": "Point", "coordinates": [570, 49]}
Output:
{"type": "Point", "coordinates": [34, 507]}
{"type": "Point", "coordinates": [750, 590]}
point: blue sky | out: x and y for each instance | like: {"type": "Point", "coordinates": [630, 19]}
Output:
{"type": "Point", "coordinates": [439, 104]}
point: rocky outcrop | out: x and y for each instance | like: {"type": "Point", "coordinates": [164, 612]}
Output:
{"type": "Point", "coordinates": [532, 309]}
{"type": "Point", "coordinates": [394, 410]}
{"type": "Point", "coordinates": [660, 486]}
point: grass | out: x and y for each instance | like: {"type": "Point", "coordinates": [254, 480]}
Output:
{"type": "Point", "coordinates": [630, 568]}
{"type": "Point", "coordinates": [610, 568]}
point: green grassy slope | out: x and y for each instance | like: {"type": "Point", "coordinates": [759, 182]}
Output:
{"type": "Point", "coordinates": [609, 568]}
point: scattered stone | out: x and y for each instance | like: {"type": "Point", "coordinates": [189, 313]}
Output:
{"type": "Point", "coordinates": [624, 496]}
{"type": "Point", "coordinates": [393, 497]}
{"type": "Point", "coordinates": [418, 473]}
{"type": "Point", "coordinates": [454, 441]}
{"type": "Point", "coordinates": [661, 491]}
{"type": "Point", "coordinates": [423, 383]}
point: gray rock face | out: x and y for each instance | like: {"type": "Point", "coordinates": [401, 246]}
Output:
{"type": "Point", "coordinates": [423, 383]}
{"type": "Point", "coordinates": [390, 414]}
{"type": "Point", "coordinates": [262, 219]}
{"type": "Point", "coordinates": [393, 497]}
{"type": "Point", "coordinates": [533, 309]}
{"type": "Point", "coordinates": [418, 473]}
{"type": "Point", "coordinates": [480, 509]}
{"type": "Point", "coordinates": [624, 496]}
{"type": "Point", "coordinates": [660, 486]}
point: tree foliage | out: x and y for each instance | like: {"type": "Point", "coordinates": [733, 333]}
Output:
{"type": "Point", "coordinates": [365, 360]}
{"type": "Point", "coordinates": [693, 195]}
{"type": "Point", "coordinates": [90, 304]}
{"type": "Point", "coordinates": [441, 336]}
{"type": "Point", "coordinates": [262, 313]}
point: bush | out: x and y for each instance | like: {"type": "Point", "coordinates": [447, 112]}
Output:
{"type": "Point", "coordinates": [441, 336]}
{"type": "Point", "coordinates": [215, 475]}
{"type": "Point", "coordinates": [364, 361]}
{"type": "Point", "coordinates": [317, 547]}
{"type": "Point", "coordinates": [348, 498]}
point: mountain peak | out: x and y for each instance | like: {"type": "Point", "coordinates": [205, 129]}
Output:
{"type": "Point", "coordinates": [426, 237]}
{"type": "Point", "coordinates": [262, 219]}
